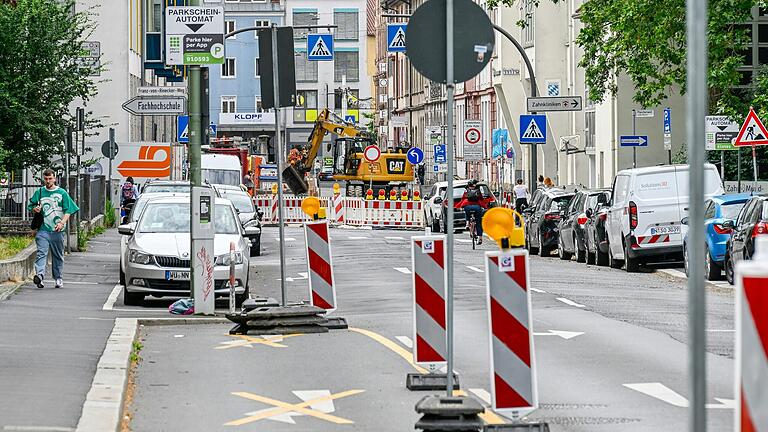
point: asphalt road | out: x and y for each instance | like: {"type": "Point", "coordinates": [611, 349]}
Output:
{"type": "Point", "coordinates": [622, 367]}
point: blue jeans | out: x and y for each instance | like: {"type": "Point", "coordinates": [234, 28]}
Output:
{"type": "Point", "coordinates": [55, 242]}
{"type": "Point", "coordinates": [475, 209]}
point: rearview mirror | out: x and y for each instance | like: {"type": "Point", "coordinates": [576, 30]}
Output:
{"type": "Point", "coordinates": [438, 200]}
{"type": "Point", "coordinates": [127, 229]}
{"type": "Point", "coordinates": [729, 224]}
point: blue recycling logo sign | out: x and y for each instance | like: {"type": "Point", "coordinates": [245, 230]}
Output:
{"type": "Point", "coordinates": [396, 37]}
{"type": "Point", "coordinates": [320, 47]}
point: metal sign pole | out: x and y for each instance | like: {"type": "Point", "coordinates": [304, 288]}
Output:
{"type": "Point", "coordinates": [634, 133]}
{"type": "Point", "coordinates": [754, 166]}
{"type": "Point", "coordinates": [280, 155]}
{"type": "Point", "coordinates": [111, 157]}
{"type": "Point", "coordinates": [697, 110]}
{"type": "Point", "coordinates": [449, 189]}
{"type": "Point", "coordinates": [738, 168]}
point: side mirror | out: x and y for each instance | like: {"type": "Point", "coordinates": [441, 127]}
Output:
{"type": "Point", "coordinates": [589, 213]}
{"type": "Point", "coordinates": [438, 200]}
{"type": "Point", "coordinates": [126, 229]}
{"type": "Point", "coordinates": [684, 220]}
{"type": "Point", "coordinates": [729, 224]}
{"type": "Point", "coordinates": [259, 213]}
{"type": "Point", "coordinates": [252, 231]}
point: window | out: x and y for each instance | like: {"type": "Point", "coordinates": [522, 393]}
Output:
{"type": "Point", "coordinates": [154, 16]}
{"type": "Point", "coordinates": [589, 129]}
{"type": "Point", "coordinates": [346, 63]}
{"type": "Point", "coordinates": [305, 110]}
{"type": "Point", "coordinates": [256, 69]}
{"type": "Point", "coordinates": [228, 68]}
{"type": "Point", "coordinates": [620, 189]}
{"type": "Point", "coordinates": [529, 6]}
{"type": "Point", "coordinates": [259, 107]}
{"type": "Point", "coordinates": [303, 18]}
{"type": "Point", "coordinates": [260, 23]}
{"type": "Point", "coordinates": [306, 71]}
{"type": "Point", "coordinates": [228, 104]}
{"type": "Point", "coordinates": [709, 212]}
{"type": "Point", "coordinates": [229, 27]}
{"type": "Point", "coordinates": [347, 22]}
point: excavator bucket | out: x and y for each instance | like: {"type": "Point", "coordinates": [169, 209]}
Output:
{"type": "Point", "coordinates": [295, 181]}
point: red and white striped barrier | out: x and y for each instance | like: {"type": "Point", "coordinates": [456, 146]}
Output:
{"type": "Point", "coordinates": [338, 208]}
{"type": "Point", "coordinates": [513, 366]}
{"type": "Point", "coordinates": [292, 212]}
{"type": "Point", "coordinates": [429, 304]}
{"type": "Point", "coordinates": [322, 290]}
{"type": "Point", "coordinates": [657, 238]}
{"type": "Point", "coordinates": [752, 341]}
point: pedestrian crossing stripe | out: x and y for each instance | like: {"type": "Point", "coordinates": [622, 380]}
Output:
{"type": "Point", "coordinates": [399, 40]}
{"type": "Point", "coordinates": [320, 50]}
{"type": "Point", "coordinates": [533, 131]}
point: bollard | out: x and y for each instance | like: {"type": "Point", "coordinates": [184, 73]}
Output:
{"type": "Point", "coordinates": [322, 290]}
{"type": "Point", "coordinates": [446, 413]}
{"type": "Point", "coordinates": [752, 340]}
{"type": "Point", "coordinates": [232, 277]}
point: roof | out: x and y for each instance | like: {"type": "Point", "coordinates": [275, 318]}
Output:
{"type": "Point", "coordinates": [732, 198]}
{"type": "Point", "coordinates": [556, 192]}
{"type": "Point", "coordinates": [181, 199]}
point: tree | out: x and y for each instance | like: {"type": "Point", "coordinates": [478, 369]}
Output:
{"type": "Point", "coordinates": [40, 76]}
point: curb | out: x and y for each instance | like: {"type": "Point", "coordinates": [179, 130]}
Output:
{"type": "Point", "coordinates": [103, 407]}
{"type": "Point", "coordinates": [10, 289]}
{"type": "Point", "coordinates": [713, 286]}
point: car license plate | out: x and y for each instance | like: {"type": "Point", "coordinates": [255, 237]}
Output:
{"type": "Point", "coordinates": [176, 275]}
{"type": "Point", "coordinates": [671, 229]}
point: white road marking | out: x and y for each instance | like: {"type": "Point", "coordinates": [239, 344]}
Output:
{"type": "Point", "coordinates": [286, 239]}
{"type": "Point", "coordinates": [96, 319]}
{"type": "Point", "coordinates": [463, 240]}
{"type": "Point", "coordinates": [570, 302]}
{"type": "Point", "coordinates": [561, 333]}
{"type": "Point", "coordinates": [405, 340]}
{"type": "Point", "coordinates": [358, 238]}
{"type": "Point", "coordinates": [720, 331]}
{"type": "Point", "coordinates": [666, 394]}
{"type": "Point", "coordinates": [110, 303]}
{"type": "Point", "coordinates": [474, 269]}
{"type": "Point", "coordinates": [482, 394]}
{"type": "Point", "coordinates": [395, 238]}
{"type": "Point", "coordinates": [538, 290]}
{"type": "Point", "coordinates": [403, 270]}
{"type": "Point", "coordinates": [303, 275]}
{"type": "Point", "coordinates": [69, 282]}
{"type": "Point", "coordinates": [38, 428]}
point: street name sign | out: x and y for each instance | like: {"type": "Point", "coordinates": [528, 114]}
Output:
{"type": "Point", "coordinates": [721, 132]}
{"type": "Point", "coordinates": [644, 113]}
{"type": "Point", "coordinates": [148, 105]}
{"type": "Point", "coordinates": [556, 103]}
{"type": "Point", "coordinates": [194, 35]}
{"type": "Point", "coordinates": [320, 47]}
{"type": "Point", "coordinates": [634, 140]}
{"type": "Point", "coordinates": [533, 129]}
{"type": "Point", "coordinates": [473, 137]}
{"type": "Point", "coordinates": [162, 91]}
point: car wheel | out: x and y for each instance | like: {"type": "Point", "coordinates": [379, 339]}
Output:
{"type": "Point", "coordinates": [132, 299]}
{"type": "Point", "coordinates": [729, 270]}
{"type": "Point", "coordinates": [685, 260]}
{"type": "Point", "coordinates": [256, 248]}
{"type": "Point", "coordinates": [601, 258]}
{"type": "Point", "coordinates": [712, 271]}
{"type": "Point", "coordinates": [632, 264]}
{"type": "Point", "coordinates": [543, 250]}
{"type": "Point", "coordinates": [590, 258]}
{"type": "Point", "coordinates": [122, 277]}
{"type": "Point", "coordinates": [581, 254]}
{"type": "Point", "coordinates": [613, 262]}
{"type": "Point", "coordinates": [565, 256]}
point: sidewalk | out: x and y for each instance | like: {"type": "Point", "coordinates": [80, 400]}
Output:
{"type": "Point", "coordinates": [52, 339]}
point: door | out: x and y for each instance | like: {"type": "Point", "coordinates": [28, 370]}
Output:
{"type": "Point", "coordinates": [617, 214]}
{"type": "Point", "coordinates": [743, 229]}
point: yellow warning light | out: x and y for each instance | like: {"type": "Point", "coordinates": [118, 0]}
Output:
{"type": "Point", "coordinates": [274, 189]}
{"type": "Point", "coordinates": [311, 206]}
{"type": "Point", "coordinates": [505, 226]}
{"type": "Point", "coordinates": [336, 188]}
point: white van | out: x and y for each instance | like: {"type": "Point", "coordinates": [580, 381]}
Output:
{"type": "Point", "coordinates": [220, 169]}
{"type": "Point", "coordinates": [647, 205]}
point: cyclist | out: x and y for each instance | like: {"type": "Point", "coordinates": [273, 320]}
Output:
{"type": "Point", "coordinates": [472, 203]}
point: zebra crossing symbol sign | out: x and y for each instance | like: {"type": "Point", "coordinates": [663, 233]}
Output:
{"type": "Point", "coordinates": [533, 129]}
{"type": "Point", "coordinates": [319, 47]}
{"type": "Point", "coordinates": [396, 37]}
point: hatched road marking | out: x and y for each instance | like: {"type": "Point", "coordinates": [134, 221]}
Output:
{"type": "Point", "coordinates": [406, 341]}
{"type": "Point", "coordinates": [250, 341]}
{"type": "Point", "coordinates": [570, 302]}
{"type": "Point", "coordinates": [281, 407]}
{"type": "Point", "coordinates": [358, 238]}
{"type": "Point", "coordinates": [403, 270]}
{"type": "Point", "coordinates": [463, 240]}
{"type": "Point", "coordinates": [541, 291]}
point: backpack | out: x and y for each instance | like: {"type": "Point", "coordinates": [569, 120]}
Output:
{"type": "Point", "coordinates": [127, 191]}
{"type": "Point", "coordinates": [473, 195]}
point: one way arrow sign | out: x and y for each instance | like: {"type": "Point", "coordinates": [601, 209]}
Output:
{"type": "Point", "coordinates": [556, 103]}
{"type": "Point", "coordinates": [634, 140]}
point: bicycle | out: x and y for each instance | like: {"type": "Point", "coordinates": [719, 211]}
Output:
{"type": "Point", "coordinates": [473, 230]}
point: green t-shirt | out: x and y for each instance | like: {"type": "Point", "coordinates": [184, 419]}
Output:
{"type": "Point", "coordinates": [55, 204]}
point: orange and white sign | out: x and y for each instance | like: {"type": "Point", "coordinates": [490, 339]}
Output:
{"type": "Point", "coordinates": [752, 132]}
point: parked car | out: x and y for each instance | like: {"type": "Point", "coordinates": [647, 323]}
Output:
{"type": "Point", "coordinates": [596, 238]}
{"type": "Point", "coordinates": [433, 207]}
{"type": "Point", "coordinates": [487, 200]}
{"type": "Point", "coordinates": [718, 211]}
{"type": "Point", "coordinates": [751, 222]}
{"type": "Point", "coordinates": [572, 238]}
{"type": "Point", "coordinates": [326, 173]}
{"type": "Point", "coordinates": [647, 206]}
{"type": "Point", "coordinates": [248, 214]}
{"type": "Point", "coordinates": [159, 251]}
{"type": "Point", "coordinates": [166, 186]}
{"type": "Point", "coordinates": [542, 219]}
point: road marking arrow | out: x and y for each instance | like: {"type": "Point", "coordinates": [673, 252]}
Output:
{"type": "Point", "coordinates": [563, 334]}
{"type": "Point", "coordinates": [663, 393]}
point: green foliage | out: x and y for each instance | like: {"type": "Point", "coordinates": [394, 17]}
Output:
{"type": "Point", "coordinates": [109, 214]}
{"type": "Point", "coordinates": [40, 77]}
{"type": "Point", "coordinates": [136, 348]}
{"type": "Point", "coordinates": [12, 245]}
{"type": "Point", "coordinates": [370, 125]}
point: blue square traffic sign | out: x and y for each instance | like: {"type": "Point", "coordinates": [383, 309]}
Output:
{"type": "Point", "coordinates": [440, 154]}
{"type": "Point", "coordinates": [182, 129]}
{"type": "Point", "coordinates": [533, 129]}
{"type": "Point", "coordinates": [320, 47]}
{"type": "Point", "coordinates": [396, 37]}
{"type": "Point", "coordinates": [667, 121]}
{"type": "Point", "coordinates": [633, 141]}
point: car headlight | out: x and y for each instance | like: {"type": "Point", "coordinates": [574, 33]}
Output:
{"type": "Point", "coordinates": [223, 260]}
{"type": "Point", "coordinates": [137, 257]}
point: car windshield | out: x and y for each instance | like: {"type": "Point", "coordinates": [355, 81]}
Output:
{"type": "Point", "coordinates": [165, 188]}
{"type": "Point", "coordinates": [175, 218]}
{"type": "Point", "coordinates": [731, 211]}
{"type": "Point", "coordinates": [241, 201]}
{"type": "Point", "coordinates": [560, 203]}
{"type": "Point", "coordinates": [219, 176]}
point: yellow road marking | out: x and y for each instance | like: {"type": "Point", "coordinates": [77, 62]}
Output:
{"type": "Point", "coordinates": [489, 417]}
{"type": "Point", "coordinates": [284, 407]}
{"type": "Point", "coordinates": [402, 352]}
{"type": "Point", "coordinates": [249, 340]}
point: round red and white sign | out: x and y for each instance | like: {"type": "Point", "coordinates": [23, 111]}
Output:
{"type": "Point", "coordinates": [472, 136]}
{"type": "Point", "coordinates": [372, 153]}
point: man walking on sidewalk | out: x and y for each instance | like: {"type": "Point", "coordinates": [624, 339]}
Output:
{"type": "Point", "coordinates": [56, 206]}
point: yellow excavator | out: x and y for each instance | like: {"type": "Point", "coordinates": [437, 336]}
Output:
{"type": "Point", "coordinates": [392, 170]}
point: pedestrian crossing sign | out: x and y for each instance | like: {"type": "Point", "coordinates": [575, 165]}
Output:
{"type": "Point", "coordinates": [533, 129]}
{"type": "Point", "coordinates": [182, 129]}
{"type": "Point", "coordinates": [752, 132]}
{"type": "Point", "coordinates": [320, 47]}
{"type": "Point", "coordinates": [396, 37]}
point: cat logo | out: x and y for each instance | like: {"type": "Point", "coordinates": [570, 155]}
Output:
{"type": "Point", "coordinates": [396, 166]}
{"type": "Point", "coordinates": [148, 165]}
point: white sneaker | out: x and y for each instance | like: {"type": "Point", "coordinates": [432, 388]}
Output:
{"type": "Point", "coordinates": [59, 283]}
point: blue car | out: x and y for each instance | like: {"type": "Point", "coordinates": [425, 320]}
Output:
{"type": "Point", "coordinates": [718, 209]}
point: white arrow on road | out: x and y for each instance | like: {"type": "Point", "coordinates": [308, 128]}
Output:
{"type": "Point", "coordinates": [563, 334]}
{"type": "Point", "coordinates": [666, 394]}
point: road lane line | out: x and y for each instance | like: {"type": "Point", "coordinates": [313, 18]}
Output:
{"type": "Point", "coordinates": [661, 392]}
{"type": "Point", "coordinates": [403, 270]}
{"type": "Point", "coordinates": [570, 302]}
{"type": "Point", "coordinates": [397, 349]}
{"type": "Point", "coordinates": [110, 303]}
{"type": "Point", "coordinates": [482, 394]}
{"type": "Point", "coordinates": [475, 269]}
{"type": "Point", "coordinates": [538, 290]}
{"type": "Point", "coordinates": [394, 238]}
{"type": "Point", "coordinates": [463, 240]}
{"type": "Point", "coordinates": [405, 340]}
{"type": "Point", "coordinates": [358, 238]}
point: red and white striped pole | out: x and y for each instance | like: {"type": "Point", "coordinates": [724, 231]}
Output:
{"type": "Point", "coordinates": [322, 290]}
{"type": "Point", "coordinates": [752, 340]}
{"type": "Point", "coordinates": [513, 366]}
{"type": "Point", "coordinates": [429, 306]}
